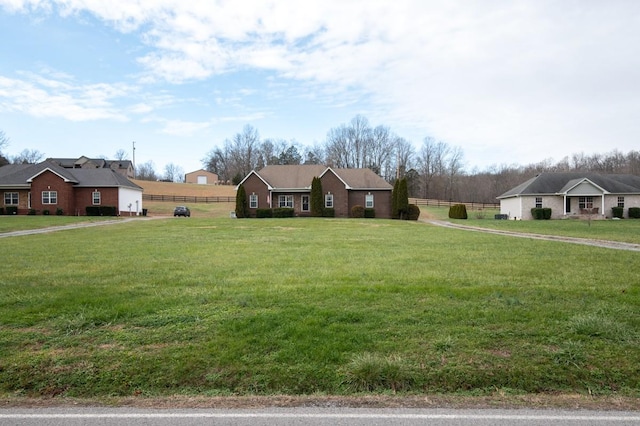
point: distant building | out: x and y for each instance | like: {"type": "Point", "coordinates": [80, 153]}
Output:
{"type": "Point", "coordinates": [202, 177]}
{"type": "Point", "coordinates": [123, 167]}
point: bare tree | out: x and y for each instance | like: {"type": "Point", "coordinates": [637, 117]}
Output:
{"type": "Point", "coordinates": [28, 156]}
{"type": "Point", "coordinates": [121, 154]}
{"type": "Point", "coordinates": [173, 173]}
{"type": "Point", "coordinates": [4, 142]}
{"type": "Point", "coordinates": [146, 171]}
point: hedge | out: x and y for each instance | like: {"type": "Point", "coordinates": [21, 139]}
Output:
{"type": "Point", "coordinates": [543, 213]}
{"type": "Point", "coordinates": [11, 209]}
{"type": "Point", "coordinates": [617, 212]}
{"type": "Point", "coordinates": [413, 212]}
{"type": "Point", "coordinates": [263, 213]}
{"type": "Point", "coordinates": [329, 212]}
{"type": "Point", "coordinates": [634, 212]}
{"type": "Point", "coordinates": [357, 212]}
{"type": "Point", "coordinates": [101, 211]}
{"type": "Point", "coordinates": [370, 213]}
{"type": "Point", "coordinates": [283, 212]}
{"type": "Point", "coordinates": [458, 211]}
{"type": "Point", "coordinates": [1, 211]}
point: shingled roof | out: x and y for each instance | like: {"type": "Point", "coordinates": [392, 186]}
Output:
{"type": "Point", "coordinates": [299, 177]}
{"type": "Point", "coordinates": [560, 183]}
{"type": "Point", "coordinates": [20, 175]}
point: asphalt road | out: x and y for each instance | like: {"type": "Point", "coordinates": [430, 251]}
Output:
{"type": "Point", "coordinates": [313, 417]}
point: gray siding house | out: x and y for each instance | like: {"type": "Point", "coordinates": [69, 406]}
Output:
{"type": "Point", "coordinates": [572, 194]}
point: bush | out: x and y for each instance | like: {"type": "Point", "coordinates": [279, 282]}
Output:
{"type": "Point", "coordinates": [634, 212]}
{"type": "Point", "coordinates": [370, 213]}
{"type": "Point", "coordinates": [46, 212]}
{"type": "Point", "coordinates": [60, 212]}
{"type": "Point", "coordinates": [357, 212]}
{"type": "Point", "coordinates": [617, 212]}
{"type": "Point", "coordinates": [329, 212]}
{"type": "Point", "coordinates": [101, 211]}
{"type": "Point", "coordinates": [264, 213]}
{"type": "Point", "coordinates": [458, 211]}
{"type": "Point", "coordinates": [283, 212]}
{"type": "Point", "coordinates": [1, 211]}
{"type": "Point", "coordinates": [32, 212]}
{"type": "Point", "coordinates": [11, 210]}
{"type": "Point", "coordinates": [413, 212]}
{"type": "Point", "coordinates": [543, 213]}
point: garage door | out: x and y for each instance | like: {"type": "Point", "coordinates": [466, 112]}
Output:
{"type": "Point", "coordinates": [202, 180]}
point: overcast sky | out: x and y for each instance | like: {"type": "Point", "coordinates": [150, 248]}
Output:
{"type": "Point", "coordinates": [509, 82]}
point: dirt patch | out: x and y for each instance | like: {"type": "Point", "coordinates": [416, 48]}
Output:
{"type": "Point", "coordinates": [498, 400]}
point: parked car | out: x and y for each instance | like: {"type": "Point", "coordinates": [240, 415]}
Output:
{"type": "Point", "coordinates": [182, 211]}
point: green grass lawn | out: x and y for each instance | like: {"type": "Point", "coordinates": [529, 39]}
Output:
{"type": "Point", "coordinates": [626, 230]}
{"type": "Point", "coordinates": [214, 306]}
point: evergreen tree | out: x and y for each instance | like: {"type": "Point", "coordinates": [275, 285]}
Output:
{"type": "Point", "coordinates": [317, 204]}
{"type": "Point", "coordinates": [403, 199]}
{"type": "Point", "coordinates": [242, 209]}
{"type": "Point", "coordinates": [394, 200]}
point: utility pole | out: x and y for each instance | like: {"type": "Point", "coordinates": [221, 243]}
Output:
{"type": "Point", "coordinates": [134, 159]}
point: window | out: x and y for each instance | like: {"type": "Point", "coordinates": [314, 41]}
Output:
{"type": "Point", "coordinates": [253, 201]}
{"type": "Point", "coordinates": [620, 201]}
{"type": "Point", "coordinates": [285, 201]}
{"type": "Point", "coordinates": [538, 202]}
{"type": "Point", "coordinates": [585, 202]}
{"type": "Point", "coordinates": [95, 199]}
{"type": "Point", "coordinates": [305, 203]}
{"type": "Point", "coordinates": [368, 201]}
{"type": "Point", "coordinates": [49, 197]}
{"type": "Point", "coordinates": [11, 198]}
{"type": "Point", "coordinates": [328, 201]}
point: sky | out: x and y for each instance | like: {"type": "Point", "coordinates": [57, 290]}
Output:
{"type": "Point", "coordinates": [509, 82]}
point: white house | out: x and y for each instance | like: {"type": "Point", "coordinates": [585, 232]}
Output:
{"type": "Point", "coordinates": [572, 194]}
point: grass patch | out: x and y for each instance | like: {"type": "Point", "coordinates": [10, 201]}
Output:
{"type": "Point", "coordinates": [215, 306]}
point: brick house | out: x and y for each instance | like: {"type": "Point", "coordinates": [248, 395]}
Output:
{"type": "Point", "coordinates": [124, 167]}
{"type": "Point", "coordinates": [290, 186]}
{"type": "Point", "coordinates": [48, 186]}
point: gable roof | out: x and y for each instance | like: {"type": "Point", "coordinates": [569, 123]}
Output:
{"type": "Point", "coordinates": [299, 177]}
{"type": "Point", "coordinates": [561, 183]}
{"type": "Point", "coordinates": [20, 176]}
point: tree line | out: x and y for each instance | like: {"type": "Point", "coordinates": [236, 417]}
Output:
{"type": "Point", "coordinates": [434, 169]}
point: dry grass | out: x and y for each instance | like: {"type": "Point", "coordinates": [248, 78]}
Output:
{"type": "Point", "coordinates": [185, 189]}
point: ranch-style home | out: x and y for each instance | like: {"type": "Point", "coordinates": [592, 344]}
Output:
{"type": "Point", "coordinates": [290, 186]}
{"type": "Point", "coordinates": [572, 194]}
{"type": "Point", "coordinates": [49, 186]}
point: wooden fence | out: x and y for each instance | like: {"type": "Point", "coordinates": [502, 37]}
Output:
{"type": "Point", "coordinates": [188, 199]}
{"type": "Point", "coordinates": [443, 203]}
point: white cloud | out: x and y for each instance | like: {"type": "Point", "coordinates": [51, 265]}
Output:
{"type": "Point", "coordinates": [487, 75]}
{"type": "Point", "coordinates": [40, 96]}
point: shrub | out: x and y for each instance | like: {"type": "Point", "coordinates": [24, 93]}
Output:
{"type": "Point", "coordinates": [634, 212]}
{"type": "Point", "coordinates": [543, 213]}
{"type": "Point", "coordinates": [357, 212]}
{"type": "Point", "coordinates": [458, 211]}
{"type": "Point", "coordinates": [1, 210]}
{"type": "Point", "coordinates": [32, 212]}
{"type": "Point", "coordinates": [283, 212]}
{"type": "Point", "coordinates": [617, 212]}
{"type": "Point", "coordinates": [316, 197]}
{"type": "Point", "coordinates": [329, 212]}
{"type": "Point", "coordinates": [101, 211]}
{"type": "Point", "coordinates": [413, 212]}
{"type": "Point", "coordinates": [59, 211]}
{"type": "Point", "coordinates": [370, 213]}
{"type": "Point", "coordinates": [11, 209]}
{"type": "Point", "coordinates": [46, 212]}
{"type": "Point", "coordinates": [262, 213]}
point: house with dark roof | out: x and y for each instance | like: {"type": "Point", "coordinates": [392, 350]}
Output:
{"type": "Point", "coordinates": [124, 167]}
{"type": "Point", "coordinates": [290, 186]}
{"type": "Point", "coordinates": [572, 194]}
{"type": "Point", "coordinates": [49, 186]}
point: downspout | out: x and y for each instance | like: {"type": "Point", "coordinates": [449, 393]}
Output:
{"type": "Point", "coordinates": [602, 208]}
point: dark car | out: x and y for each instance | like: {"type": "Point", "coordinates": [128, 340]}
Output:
{"type": "Point", "coordinates": [182, 211]}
